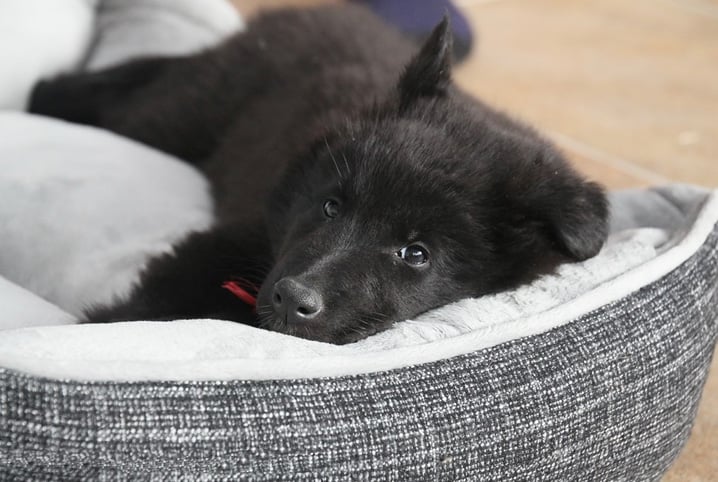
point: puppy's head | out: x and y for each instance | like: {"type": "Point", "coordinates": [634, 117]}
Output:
{"type": "Point", "coordinates": [428, 199]}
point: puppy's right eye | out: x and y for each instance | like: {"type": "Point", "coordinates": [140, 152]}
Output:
{"type": "Point", "coordinates": [331, 208]}
{"type": "Point", "coordinates": [414, 255]}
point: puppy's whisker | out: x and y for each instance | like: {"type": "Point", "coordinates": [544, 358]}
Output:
{"type": "Point", "coordinates": [252, 272]}
{"type": "Point", "coordinates": [346, 163]}
{"type": "Point", "coordinates": [258, 273]}
{"type": "Point", "coordinates": [336, 166]}
{"type": "Point", "coordinates": [265, 321]}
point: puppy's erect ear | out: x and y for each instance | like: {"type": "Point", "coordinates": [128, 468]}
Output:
{"type": "Point", "coordinates": [429, 73]}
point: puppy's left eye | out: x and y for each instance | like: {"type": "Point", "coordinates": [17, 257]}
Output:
{"type": "Point", "coordinates": [331, 208]}
{"type": "Point", "coordinates": [414, 255]}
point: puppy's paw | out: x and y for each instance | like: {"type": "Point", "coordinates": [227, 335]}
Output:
{"type": "Point", "coordinates": [68, 98]}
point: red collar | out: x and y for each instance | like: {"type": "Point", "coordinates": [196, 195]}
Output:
{"type": "Point", "coordinates": [244, 290]}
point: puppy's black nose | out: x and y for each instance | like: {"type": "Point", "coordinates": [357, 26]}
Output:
{"type": "Point", "coordinates": [297, 302]}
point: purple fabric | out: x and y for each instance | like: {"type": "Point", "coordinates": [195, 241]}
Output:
{"type": "Point", "coordinates": [418, 18]}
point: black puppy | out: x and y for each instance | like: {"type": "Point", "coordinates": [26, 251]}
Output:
{"type": "Point", "coordinates": [355, 184]}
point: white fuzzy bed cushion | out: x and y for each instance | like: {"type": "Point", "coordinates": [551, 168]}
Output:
{"type": "Point", "coordinates": [81, 210]}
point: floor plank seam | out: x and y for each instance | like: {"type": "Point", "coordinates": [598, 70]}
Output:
{"type": "Point", "coordinates": [601, 157]}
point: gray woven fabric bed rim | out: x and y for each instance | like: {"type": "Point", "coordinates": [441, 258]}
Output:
{"type": "Point", "coordinates": [611, 396]}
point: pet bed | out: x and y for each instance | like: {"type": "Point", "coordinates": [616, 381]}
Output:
{"type": "Point", "coordinates": [571, 378]}
{"type": "Point", "coordinates": [593, 373]}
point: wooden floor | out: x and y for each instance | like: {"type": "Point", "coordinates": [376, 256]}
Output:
{"type": "Point", "coordinates": [629, 89]}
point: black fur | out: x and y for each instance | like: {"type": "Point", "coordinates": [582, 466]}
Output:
{"type": "Point", "coordinates": [311, 105]}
